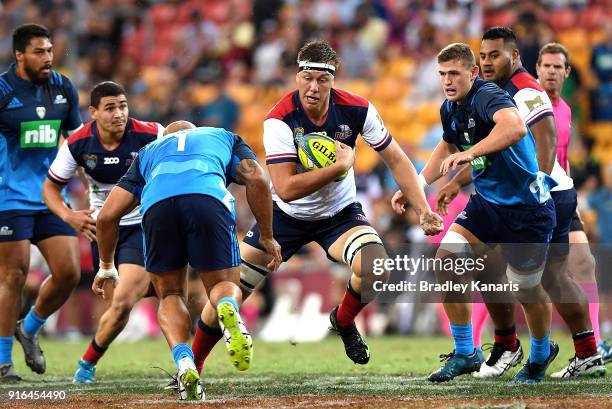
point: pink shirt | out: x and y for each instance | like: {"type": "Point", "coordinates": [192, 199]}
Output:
{"type": "Point", "coordinates": [563, 122]}
{"type": "Point", "coordinates": [454, 209]}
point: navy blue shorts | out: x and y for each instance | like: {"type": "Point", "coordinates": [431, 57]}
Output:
{"type": "Point", "coordinates": [292, 234]}
{"type": "Point", "coordinates": [195, 229]}
{"type": "Point", "coordinates": [494, 224]}
{"type": "Point", "coordinates": [33, 225]}
{"type": "Point", "coordinates": [565, 209]}
{"type": "Point", "coordinates": [129, 248]}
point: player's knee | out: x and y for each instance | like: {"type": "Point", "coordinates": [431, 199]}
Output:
{"type": "Point", "coordinates": [358, 241]}
{"type": "Point", "coordinates": [250, 277]}
{"type": "Point", "coordinates": [526, 282]}
{"type": "Point", "coordinates": [121, 309]}
{"type": "Point", "coordinates": [453, 245]}
{"type": "Point", "coordinates": [13, 278]}
{"type": "Point", "coordinates": [582, 263]}
{"type": "Point", "coordinates": [72, 279]}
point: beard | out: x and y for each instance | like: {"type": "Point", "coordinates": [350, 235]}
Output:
{"type": "Point", "coordinates": [35, 76]}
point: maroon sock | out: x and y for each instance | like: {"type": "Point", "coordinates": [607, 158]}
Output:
{"type": "Point", "coordinates": [584, 344]}
{"type": "Point", "coordinates": [94, 352]}
{"type": "Point", "coordinates": [349, 307]}
{"type": "Point", "coordinates": [507, 337]}
{"type": "Point", "coordinates": [203, 342]}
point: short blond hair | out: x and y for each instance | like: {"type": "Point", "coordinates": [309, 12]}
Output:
{"type": "Point", "coordinates": [554, 48]}
{"type": "Point", "coordinates": [457, 51]}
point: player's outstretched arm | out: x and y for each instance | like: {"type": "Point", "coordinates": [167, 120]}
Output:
{"type": "Point", "coordinates": [259, 197]}
{"type": "Point", "coordinates": [429, 174]}
{"type": "Point", "coordinates": [80, 220]}
{"type": "Point", "coordinates": [451, 189]}
{"type": "Point", "coordinates": [509, 129]}
{"type": "Point", "coordinates": [406, 177]}
{"type": "Point", "coordinates": [290, 185]}
{"type": "Point", "coordinates": [118, 203]}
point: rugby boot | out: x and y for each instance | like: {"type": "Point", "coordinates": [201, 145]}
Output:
{"type": "Point", "coordinates": [190, 386]}
{"type": "Point", "coordinates": [238, 341]}
{"type": "Point", "coordinates": [532, 372]}
{"type": "Point", "coordinates": [85, 373]}
{"type": "Point", "coordinates": [354, 346]}
{"type": "Point", "coordinates": [457, 365]}
{"type": "Point", "coordinates": [591, 366]}
{"type": "Point", "coordinates": [7, 374]}
{"type": "Point", "coordinates": [31, 349]}
{"type": "Point", "coordinates": [604, 348]}
{"type": "Point", "coordinates": [499, 361]}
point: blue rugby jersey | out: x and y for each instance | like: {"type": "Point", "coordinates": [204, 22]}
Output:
{"type": "Point", "coordinates": [509, 177]}
{"type": "Point", "coordinates": [192, 161]}
{"type": "Point", "coordinates": [31, 119]}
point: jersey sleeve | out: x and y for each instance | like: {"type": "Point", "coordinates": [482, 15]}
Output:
{"type": "Point", "coordinates": [374, 131]}
{"type": "Point", "coordinates": [160, 130]}
{"type": "Point", "coordinates": [490, 99]}
{"type": "Point", "coordinates": [240, 151]}
{"type": "Point", "coordinates": [445, 120]}
{"type": "Point", "coordinates": [133, 181]}
{"type": "Point", "coordinates": [278, 142]}
{"type": "Point", "coordinates": [533, 105]}
{"type": "Point", "coordinates": [63, 167]}
{"type": "Point", "coordinates": [73, 120]}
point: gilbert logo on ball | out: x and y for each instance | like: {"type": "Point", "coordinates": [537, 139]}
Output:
{"type": "Point", "coordinates": [316, 150]}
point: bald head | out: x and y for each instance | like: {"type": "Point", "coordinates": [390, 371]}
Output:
{"type": "Point", "coordinates": [177, 126]}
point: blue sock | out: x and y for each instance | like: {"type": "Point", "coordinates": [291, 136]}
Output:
{"type": "Point", "coordinates": [181, 351]}
{"type": "Point", "coordinates": [540, 349]}
{"type": "Point", "coordinates": [229, 300]}
{"type": "Point", "coordinates": [33, 323]}
{"type": "Point", "coordinates": [462, 334]}
{"type": "Point", "coordinates": [6, 349]}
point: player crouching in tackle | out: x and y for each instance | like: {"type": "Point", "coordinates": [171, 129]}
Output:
{"type": "Point", "coordinates": [320, 204]}
{"type": "Point", "coordinates": [189, 217]}
{"type": "Point", "coordinates": [512, 204]}
{"type": "Point", "coordinates": [104, 148]}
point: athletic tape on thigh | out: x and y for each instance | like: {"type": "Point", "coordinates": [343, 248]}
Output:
{"type": "Point", "coordinates": [524, 281]}
{"type": "Point", "coordinates": [251, 274]}
{"type": "Point", "coordinates": [357, 241]}
{"type": "Point", "coordinates": [455, 243]}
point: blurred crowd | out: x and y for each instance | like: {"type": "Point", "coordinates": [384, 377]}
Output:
{"type": "Point", "coordinates": [226, 62]}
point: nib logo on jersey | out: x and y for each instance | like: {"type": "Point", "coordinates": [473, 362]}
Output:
{"type": "Point", "coordinates": [40, 134]}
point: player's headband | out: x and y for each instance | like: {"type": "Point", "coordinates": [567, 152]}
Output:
{"type": "Point", "coordinates": [316, 66]}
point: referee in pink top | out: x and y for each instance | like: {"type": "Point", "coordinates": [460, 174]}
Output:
{"type": "Point", "coordinates": [553, 68]}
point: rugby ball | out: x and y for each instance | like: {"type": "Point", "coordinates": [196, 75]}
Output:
{"type": "Point", "coordinates": [316, 150]}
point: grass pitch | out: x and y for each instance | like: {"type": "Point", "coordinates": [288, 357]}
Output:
{"type": "Point", "coordinates": [287, 375]}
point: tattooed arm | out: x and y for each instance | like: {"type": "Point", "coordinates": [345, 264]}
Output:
{"type": "Point", "coordinates": [259, 197]}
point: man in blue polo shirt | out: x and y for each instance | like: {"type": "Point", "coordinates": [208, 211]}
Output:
{"type": "Point", "coordinates": [36, 105]}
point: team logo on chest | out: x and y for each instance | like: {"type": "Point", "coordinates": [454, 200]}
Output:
{"type": "Point", "coordinates": [345, 132]}
{"type": "Point", "coordinates": [41, 112]}
{"type": "Point", "coordinates": [298, 132]}
{"type": "Point", "coordinates": [90, 161]}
